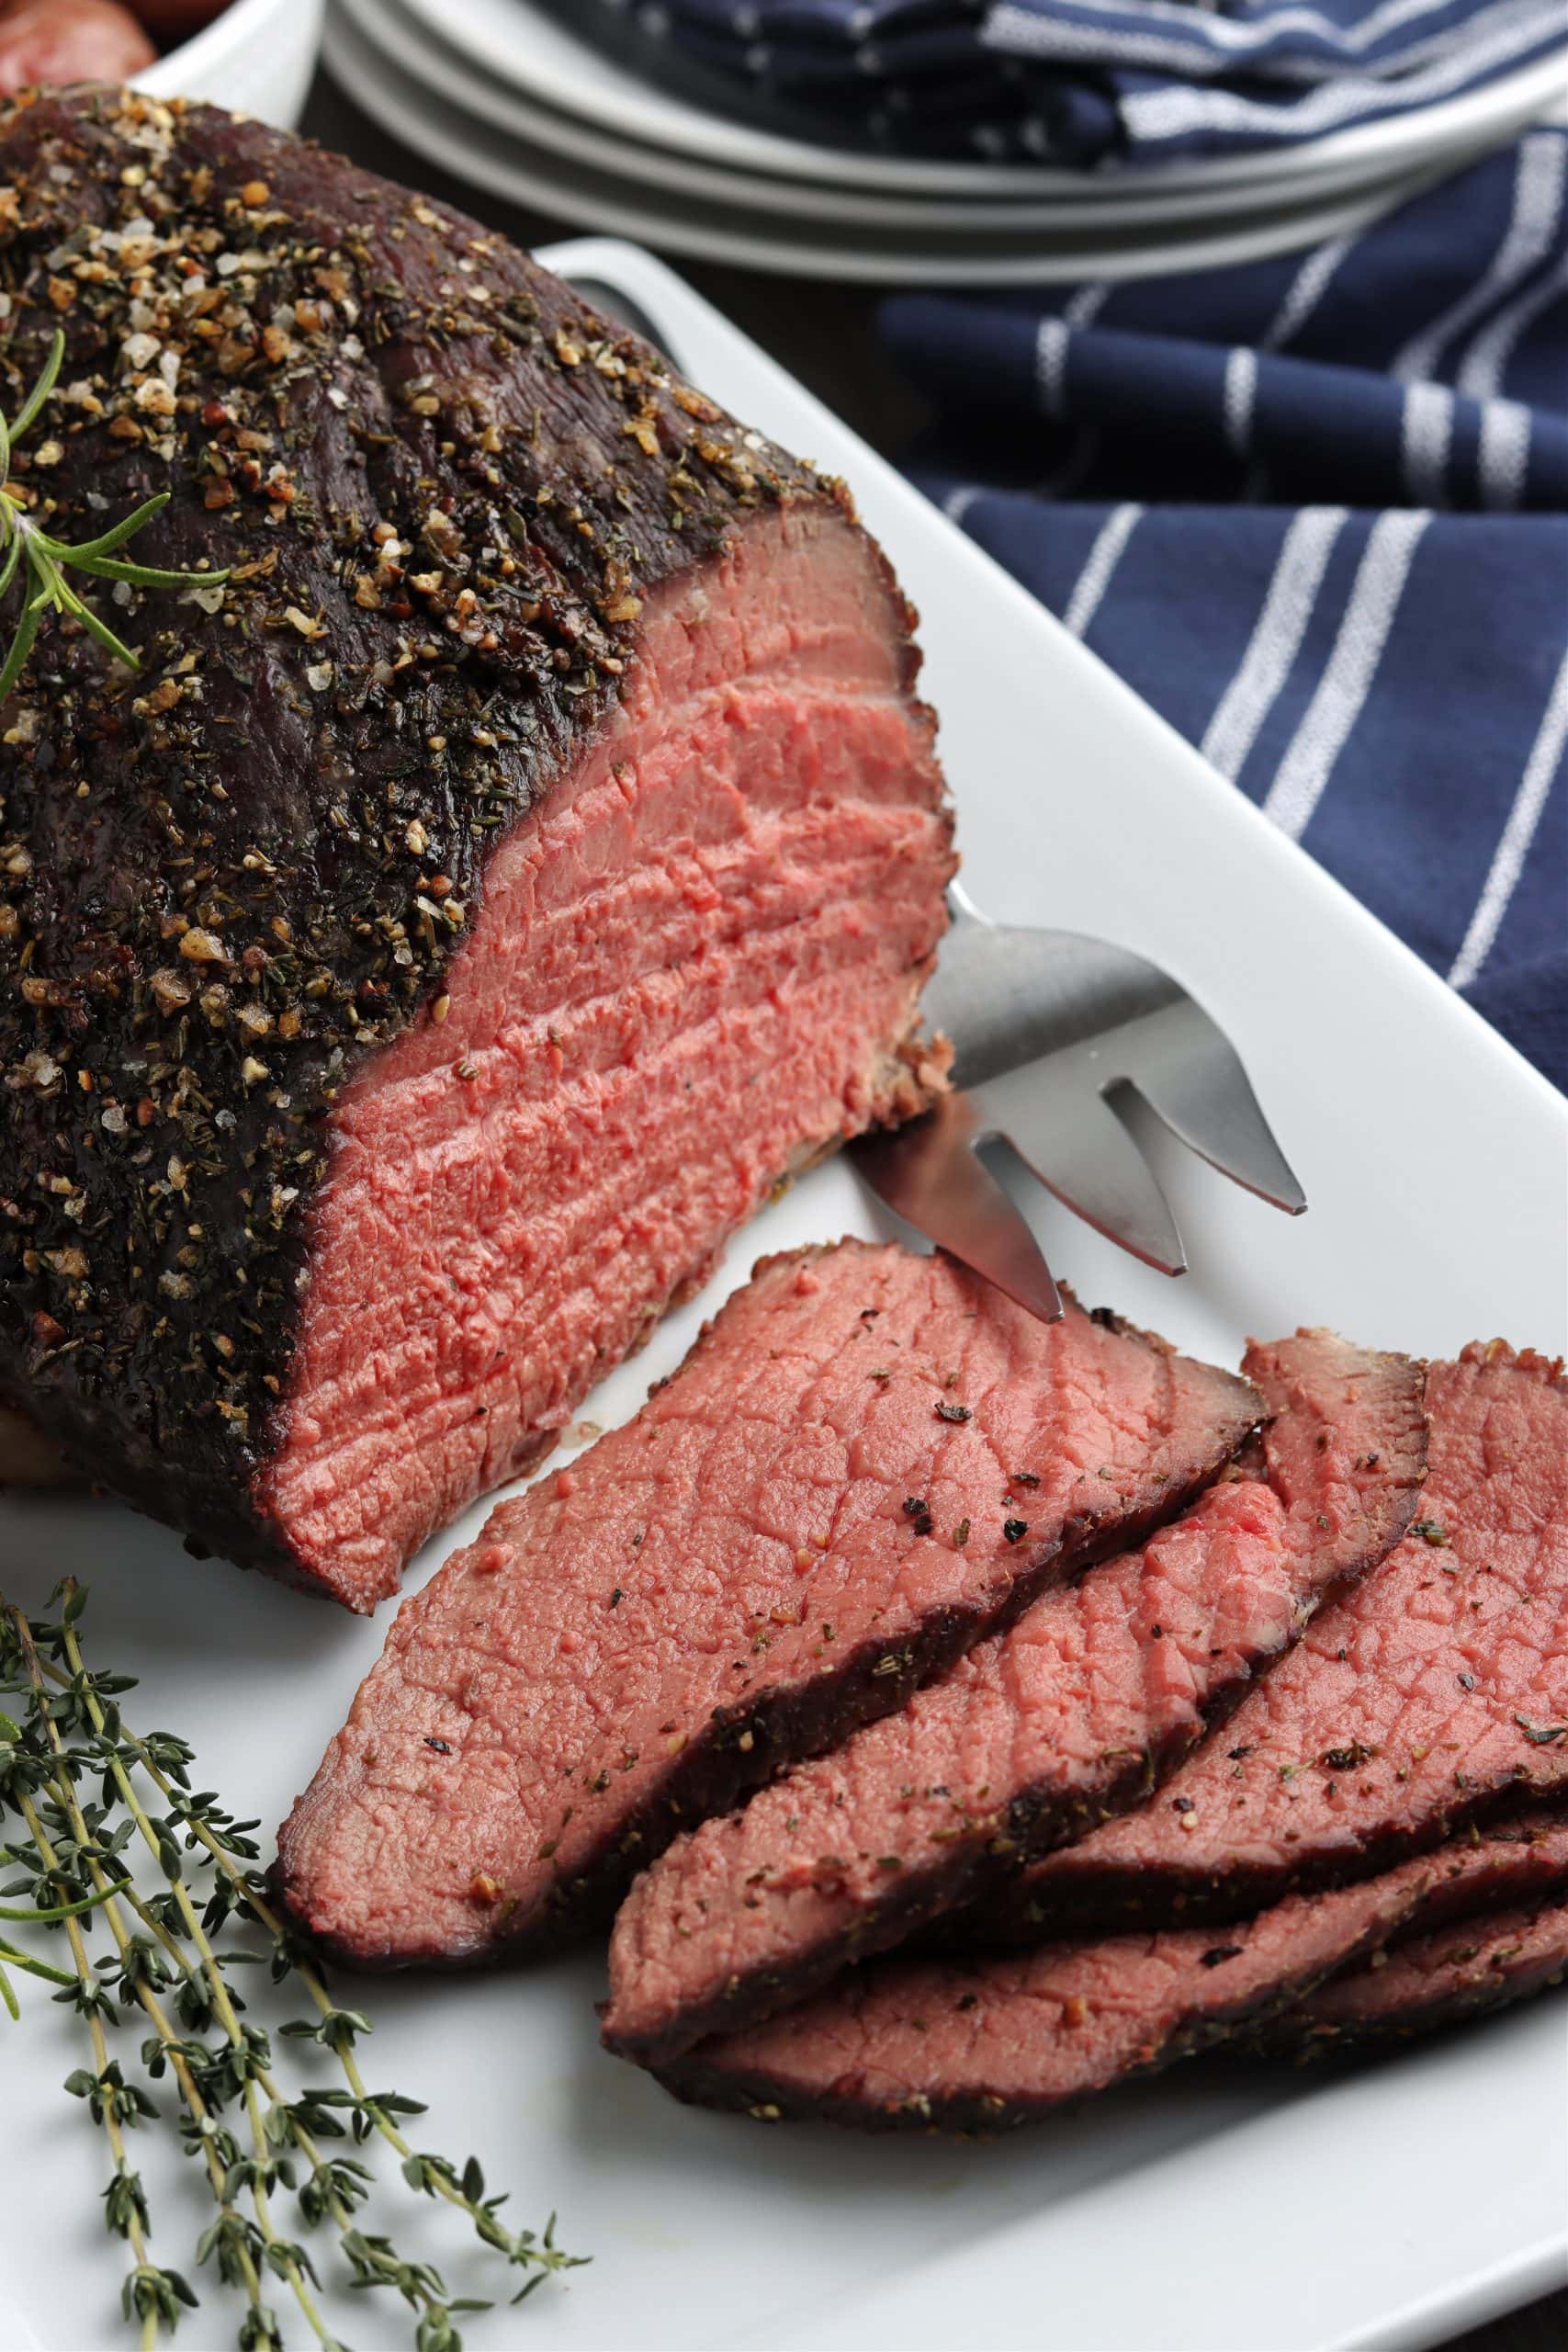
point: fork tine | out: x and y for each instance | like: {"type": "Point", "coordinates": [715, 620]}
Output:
{"type": "Point", "coordinates": [1063, 1128]}
{"type": "Point", "coordinates": [1192, 1075]}
{"type": "Point", "coordinates": [929, 1175]}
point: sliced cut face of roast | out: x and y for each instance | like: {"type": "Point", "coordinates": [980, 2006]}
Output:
{"type": "Point", "coordinates": [869, 1461]}
{"type": "Point", "coordinates": [1434, 1692]}
{"type": "Point", "coordinates": [979, 2045]}
{"type": "Point", "coordinates": [696, 968]}
{"type": "Point", "coordinates": [1066, 1719]}
{"type": "Point", "coordinates": [527, 852]}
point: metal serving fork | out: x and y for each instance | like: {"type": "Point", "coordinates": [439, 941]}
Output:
{"type": "Point", "coordinates": [1050, 1030]}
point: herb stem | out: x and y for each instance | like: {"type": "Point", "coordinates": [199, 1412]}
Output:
{"type": "Point", "coordinates": [86, 1978]}
{"type": "Point", "coordinates": [180, 1947]}
{"type": "Point", "coordinates": [169, 2041]}
{"type": "Point", "coordinates": [543, 2254]}
{"type": "Point", "coordinates": [390, 2270]}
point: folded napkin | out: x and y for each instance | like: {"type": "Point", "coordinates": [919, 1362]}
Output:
{"type": "Point", "coordinates": [1316, 511]}
{"type": "Point", "coordinates": [1081, 82]}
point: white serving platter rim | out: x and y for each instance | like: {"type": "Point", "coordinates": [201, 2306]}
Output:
{"type": "Point", "coordinates": [394, 30]}
{"type": "Point", "coordinates": [1201, 2213]}
{"type": "Point", "coordinates": [530, 47]}
{"type": "Point", "coordinates": [445, 135]}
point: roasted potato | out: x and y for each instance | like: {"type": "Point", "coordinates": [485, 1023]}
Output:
{"type": "Point", "coordinates": [69, 41]}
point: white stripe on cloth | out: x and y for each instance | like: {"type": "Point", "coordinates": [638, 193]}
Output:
{"type": "Point", "coordinates": [1508, 861]}
{"type": "Point", "coordinates": [1109, 546]}
{"type": "Point", "coordinates": [1342, 691]}
{"type": "Point", "coordinates": [1528, 241]}
{"type": "Point", "coordinates": [1052, 342]}
{"type": "Point", "coordinates": [1241, 393]}
{"type": "Point", "coordinates": [1505, 456]}
{"type": "Point", "coordinates": [1425, 430]}
{"type": "Point", "coordinates": [1021, 32]}
{"type": "Point", "coordinates": [1482, 369]}
{"type": "Point", "coordinates": [1051, 362]}
{"type": "Point", "coordinates": [1088, 303]}
{"type": "Point", "coordinates": [1150, 116]}
{"type": "Point", "coordinates": [957, 503]}
{"type": "Point", "coordinates": [1276, 639]}
{"type": "Point", "coordinates": [1304, 293]}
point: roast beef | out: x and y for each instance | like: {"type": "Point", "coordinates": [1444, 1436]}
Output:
{"type": "Point", "coordinates": [1434, 1692]}
{"type": "Point", "coordinates": [468, 913]}
{"type": "Point", "coordinates": [1439, 1980]}
{"type": "Point", "coordinates": [1508, 1893]}
{"type": "Point", "coordinates": [983, 2044]}
{"type": "Point", "coordinates": [1066, 1719]}
{"type": "Point", "coordinates": [867, 1462]}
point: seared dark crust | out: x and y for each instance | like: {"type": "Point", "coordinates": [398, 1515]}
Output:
{"type": "Point", "coordinates": [311, 776]}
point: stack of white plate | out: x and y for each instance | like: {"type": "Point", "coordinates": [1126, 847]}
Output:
{"type": "Point", "coordinates": [504, 94]}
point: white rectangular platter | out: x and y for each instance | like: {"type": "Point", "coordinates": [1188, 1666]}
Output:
{"type": "Point", "coordinates": [1203, 2213]}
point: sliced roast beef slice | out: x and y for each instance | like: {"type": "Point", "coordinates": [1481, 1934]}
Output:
{"type": "Point", "coordinates": [980, 2045]}
{"type": "Point", "coordinates": [1435, 1691]}
{"type": "Point", "coordinates": [1493, 1930]}
{"type": "Point", "coordinates": [810, 1519]}
{"type": "Point", "coordinates": [1489, 1962]}
{"type": "Point", "coordinates": [470, 911]}
{"type": "Point", "coordinates": [983, 2043]}
{"type": "Point", "coordinates": [1061, 1722]}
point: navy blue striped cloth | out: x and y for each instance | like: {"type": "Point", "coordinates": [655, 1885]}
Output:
{"type": "Point", "coordinates": [1078, 81]}
{"type": "Point", "coordinates": [1316, 511]}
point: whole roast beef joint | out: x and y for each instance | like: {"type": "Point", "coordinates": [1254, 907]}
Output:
{"type": "Point", "coordinates": [869, 1461]}
{"type": "Point", "coordinates": [531, 853]}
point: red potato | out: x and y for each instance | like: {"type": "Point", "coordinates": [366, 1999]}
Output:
{"type": "Point", "coordinates": [171, 21]}
{"type": "Point", "coordinates": [68, 40]}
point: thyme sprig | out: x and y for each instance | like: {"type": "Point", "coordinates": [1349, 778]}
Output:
{"type": "Point", "coordinates": [45, 561]}
{"type": "Point", "coordinates": [171, 1957]}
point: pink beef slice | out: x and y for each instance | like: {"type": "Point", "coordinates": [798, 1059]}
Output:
{"type": "Point", "coordinates": [1493, 1930]}
{"type": "Point", "coordinates": [981, 2044]}
{"type": "Point", "coordinates": [534, 852]}
{"type": "Point", "coordinates": [1063, 1721]}
{"type": "Point", "coordinates": [1434, 1692]}
{"type": "Point", "coordinates": [868, 1460]}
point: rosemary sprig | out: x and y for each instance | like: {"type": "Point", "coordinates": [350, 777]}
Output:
{"type": "Point", "coordinates": [173, 1958]}
{"type": "Point", "coordinates": [45, 561]}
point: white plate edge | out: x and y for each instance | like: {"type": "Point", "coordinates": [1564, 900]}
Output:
{"type": "Point", "coordinates": [409, 118]}
{"type": "Point", "coordinates": [1450, 119]}
{"type": "Point", "coordinates": [401, 37]}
